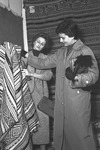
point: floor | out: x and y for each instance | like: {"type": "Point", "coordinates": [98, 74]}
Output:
{"type": "Point", "coordinates": [50, 146]}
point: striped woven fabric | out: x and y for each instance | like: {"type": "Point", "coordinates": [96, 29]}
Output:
{"type": "Point", "coordinates": [29, 105]}
{"type": "Point", "coordinates": [18, 113]}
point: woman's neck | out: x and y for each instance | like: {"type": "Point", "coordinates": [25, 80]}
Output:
{"type": "Point", "coordinates": [36, 53]}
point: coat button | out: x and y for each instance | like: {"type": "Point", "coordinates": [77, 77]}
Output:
{"type": "Point", "coordinates": [87, 82]}
{"type": "Point", "coordinates": [78, 92]}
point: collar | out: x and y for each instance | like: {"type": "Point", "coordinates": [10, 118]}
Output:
{"type": "Point", "coordinates": [78, 45]}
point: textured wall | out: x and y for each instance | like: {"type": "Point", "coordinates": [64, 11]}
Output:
{"type": "Point", "coordinates": [48, 13]}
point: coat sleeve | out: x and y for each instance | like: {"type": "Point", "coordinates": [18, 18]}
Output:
{"type": "Point", "coordinates": [89, 78]}
{"type": "Point", "coordinates": [46, 75]}
{"type": "Point", "coordinates": [49, 62]}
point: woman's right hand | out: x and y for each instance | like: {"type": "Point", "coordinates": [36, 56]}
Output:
{"type": "Point", "coordinates": [25, 72]}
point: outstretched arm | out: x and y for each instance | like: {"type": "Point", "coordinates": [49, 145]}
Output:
{"type": "Point", "coordinates": [49, 62]}
{"type": "Point", "coordinates": [44, 75]}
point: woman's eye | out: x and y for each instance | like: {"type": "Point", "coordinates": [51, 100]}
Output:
{"type": "Point", "coordinates": [42, 44]}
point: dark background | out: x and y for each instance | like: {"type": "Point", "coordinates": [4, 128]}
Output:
{"type": "Point", "coordinates": [11, 28]}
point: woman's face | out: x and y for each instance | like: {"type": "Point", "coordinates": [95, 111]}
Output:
{"type": "Point", "coordinates": [39, 44]}
{"type": "Point", "coordinates": [65, 39]}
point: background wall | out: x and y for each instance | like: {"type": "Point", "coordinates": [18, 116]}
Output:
{"type": "Point", "coordinates": [45, 15]}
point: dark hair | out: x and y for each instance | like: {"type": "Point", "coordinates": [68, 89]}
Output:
{"type": "Point", "coordinates": [46, 37]}
{"type": "Point", "coordinates": [69, 27]}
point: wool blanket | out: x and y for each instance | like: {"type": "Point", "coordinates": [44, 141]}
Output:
{"type": "Point", "coordinates": [18, 116]}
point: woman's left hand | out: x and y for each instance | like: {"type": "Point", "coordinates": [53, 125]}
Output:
{"type": "Point", "coordinates": [77, 82]}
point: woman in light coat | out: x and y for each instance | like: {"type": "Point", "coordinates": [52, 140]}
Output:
{"type": "Point", "coordinates": [39, 88]}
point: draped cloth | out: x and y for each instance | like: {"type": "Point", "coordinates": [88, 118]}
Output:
{"type": "Point", "coordinates": [18, 116]}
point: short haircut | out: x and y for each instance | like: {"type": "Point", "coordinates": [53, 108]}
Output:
{"type": "Point", "coordinates": [68, 27]}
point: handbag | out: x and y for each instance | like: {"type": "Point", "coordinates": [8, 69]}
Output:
{"type": "Point", "coordinates": [46, 106]}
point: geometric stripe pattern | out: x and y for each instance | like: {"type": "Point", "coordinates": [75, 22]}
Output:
{"type": "Point", "coordinates": [18, 112]}
{"type": "Point", "coordinates": [29, 108]}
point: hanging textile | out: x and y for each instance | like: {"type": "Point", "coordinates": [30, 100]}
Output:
{"type": "Point", "coordinates": [18, 116]}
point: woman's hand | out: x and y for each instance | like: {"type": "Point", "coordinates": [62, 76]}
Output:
{"type": "Point", "coordinates": [35, 75]}
{"type": "Point", "coordinates": [25, 72]}
{"type": "Point", "coordinates": [77, 82]}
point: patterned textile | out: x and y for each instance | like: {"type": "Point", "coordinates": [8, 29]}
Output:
{"type": "Point", "coordinates": [29, 108]}
{"type": "Point", "coordinates": [18, 113]}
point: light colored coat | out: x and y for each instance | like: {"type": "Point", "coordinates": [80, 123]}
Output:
{"type": "Point", "coordinates": [39, 88]}
{"type": "Point", "coordinates": [72, 127]}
